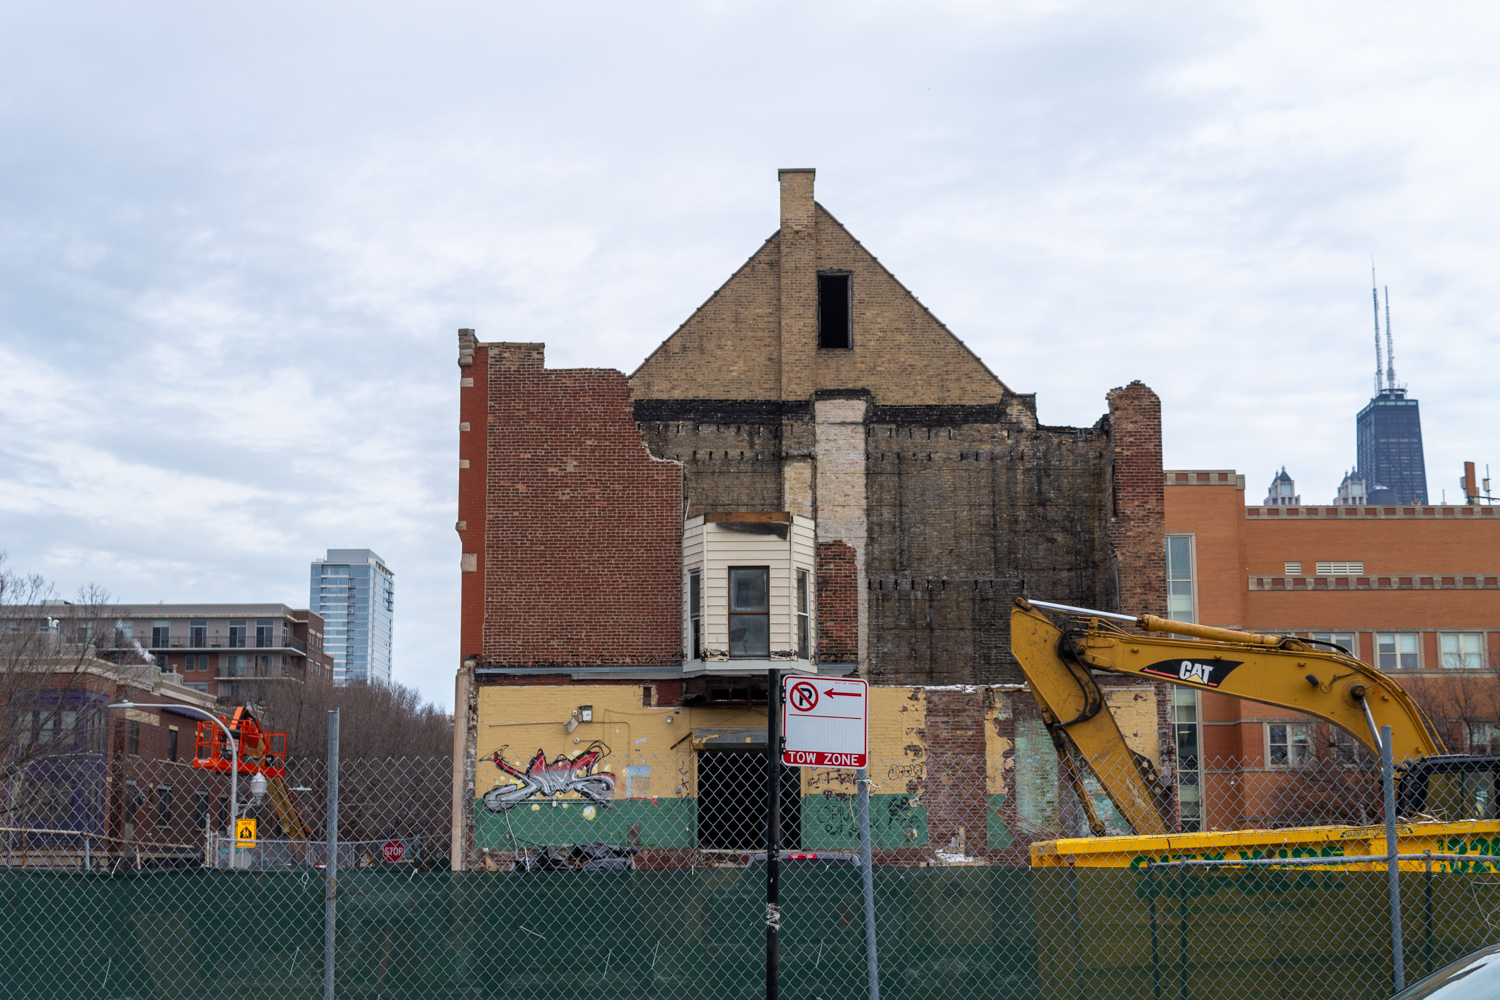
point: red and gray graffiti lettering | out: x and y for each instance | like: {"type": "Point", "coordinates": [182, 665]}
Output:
{"type": "Point", "coordinates": [549, 780]}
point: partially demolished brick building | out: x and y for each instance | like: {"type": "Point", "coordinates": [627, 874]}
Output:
{"type": "Point", "coordinates": [812, 472]}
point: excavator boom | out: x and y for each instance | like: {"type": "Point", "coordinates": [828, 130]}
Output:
{"type": "Point", "coordinates": [1285, 672]}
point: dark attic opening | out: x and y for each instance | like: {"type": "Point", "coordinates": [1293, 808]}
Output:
{"type": "Point", "coordinates": [833, 311]}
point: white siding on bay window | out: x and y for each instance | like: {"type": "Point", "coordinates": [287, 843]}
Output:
{"type": "Point", "coordinates": [714, 549]}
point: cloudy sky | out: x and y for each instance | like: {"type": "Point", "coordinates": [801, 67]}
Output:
{"type": "Point", "coordinates": [236, 240]}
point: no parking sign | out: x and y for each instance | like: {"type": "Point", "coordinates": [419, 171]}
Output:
{"type": "Point", "coordinates": [825, 721]}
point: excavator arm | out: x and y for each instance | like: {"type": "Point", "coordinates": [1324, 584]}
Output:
{"type": "Point", "coordinates": [1283, 671]}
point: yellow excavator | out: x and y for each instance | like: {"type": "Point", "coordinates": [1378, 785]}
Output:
{"type": "Point", "coordinates": [1448, 802]}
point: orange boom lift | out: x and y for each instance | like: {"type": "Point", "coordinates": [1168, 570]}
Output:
{"type": "Point", "coordinates": [261, 751]}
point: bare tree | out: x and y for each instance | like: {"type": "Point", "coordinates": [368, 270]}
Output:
{"type": "Point", "coordinates": [374, 721]}
{"type": "Point", "coordinates": [50, 666]}
{"type": "Point", "coordinates": [1459, 703]}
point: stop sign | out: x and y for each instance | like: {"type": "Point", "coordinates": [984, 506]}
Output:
{"type": "Point", "coordinates": [393, 851]}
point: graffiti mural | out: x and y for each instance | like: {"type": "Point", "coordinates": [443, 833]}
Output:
{"type": "Point", "coordinates": [544, 779]}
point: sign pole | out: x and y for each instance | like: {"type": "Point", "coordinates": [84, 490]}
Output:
{"type": "Point", "coordinates": [331, 857]}
{"type": "Point", "coordinates": [867, 875]}
{"type": "Point", "coordinates": [1392, 865]}
{"type": "Point", "coordinates": [773, 828]}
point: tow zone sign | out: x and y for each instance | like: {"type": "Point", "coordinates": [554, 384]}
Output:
{"type": "Point", "coordinates": [825, 721]}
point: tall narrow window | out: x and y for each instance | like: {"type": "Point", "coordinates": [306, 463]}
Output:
{"type": "Point", "coordinates": [695, 611]}
{"type": "Point", "coordinates": [833, 311]}
{"type": "Point", "coordinates": [237, 635]}
{"type": "Point", "coordinates": [163, 805]}
{"type": "Point", "coordinates": [161, 634]}
{"type": "Point", "coordinates": [171, 743]}
{"type": "Point", "coordinates": [200, 808]}
{"type": "Point", "coordinates": [804, 638]}
{"type": "Point", "coordinates": [264, 631]}
{"type": "Point", "coordinates": [1189, 787]}
{"type": "Point", "coordinates": [749, 612]}
{"type": "Point", "coordinates": [198, 634]}
{"type": "Point", "coordinates": [133, 739]}
{"type": "Point", "coordinates": [1180, 578]}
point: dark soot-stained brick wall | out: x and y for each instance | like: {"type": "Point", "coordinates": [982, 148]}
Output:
{"type": "Point", "coordinates": [968, 506]}
{"type": "Point", "coordinates": [967, 510]}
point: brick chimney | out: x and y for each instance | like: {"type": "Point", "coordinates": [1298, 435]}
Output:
{"type": "Point", "coordinates": [799, 283]}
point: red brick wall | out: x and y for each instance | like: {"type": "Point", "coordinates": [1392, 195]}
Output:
{"type": "Point", "coordinates": [838, 604]}
{"type": "Point", "coordinates": [472, 413]}
{"type": "Point", "coordinates": [582, 557]}
{"type": "Point", "coordinates": [955, 796]}
{"type": "Point", "coordinates": [1137, 529]}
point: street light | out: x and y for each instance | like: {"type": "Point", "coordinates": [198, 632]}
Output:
{"type": "Point", "coordinates": [234, 773]}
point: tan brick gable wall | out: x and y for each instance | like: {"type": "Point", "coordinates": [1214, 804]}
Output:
{"type": "Point", "coordinates": [902, 353]}
{"type": "Point", "coordinates": [730, 347]}
{"type": "Point", "coordinates": [756, 337]}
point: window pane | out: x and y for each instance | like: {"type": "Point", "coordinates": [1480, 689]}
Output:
{"type": "Point", "coordinates": [1184, 705]}
{"type": "Point", "coordinates": [747, 589]}
{"type": "Point", "coordinates": [1179, 578]}
{"type": "Point", "coordinates": [1177, 558]}
{"type": "Point", "coordinates": [749, 635]}
{"type": "Point", "coordinates": [1300, 744]}
{"type": "Point", "coordinates": [802, 591]}
{"type": "Point", "coordinates": [695, 596]}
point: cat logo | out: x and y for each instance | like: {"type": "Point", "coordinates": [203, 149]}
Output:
{"type": "Point", "coordinates": [1207, 673]}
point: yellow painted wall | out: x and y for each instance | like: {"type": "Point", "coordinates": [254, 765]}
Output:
{"type": "Point", "coordinates": [1134, 709]}
{"type": "Point", "coordinates": [519, 721]}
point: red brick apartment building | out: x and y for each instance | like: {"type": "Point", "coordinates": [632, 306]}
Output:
{"type": "Point", "coordinates": [1411, 589]}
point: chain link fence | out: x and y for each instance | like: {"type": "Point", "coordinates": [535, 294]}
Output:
{"type": "Point", "coordinates": [118, 881]}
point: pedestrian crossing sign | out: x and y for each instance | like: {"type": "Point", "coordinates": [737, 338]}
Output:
{"type": "Point", "coordinates": [244, 833]}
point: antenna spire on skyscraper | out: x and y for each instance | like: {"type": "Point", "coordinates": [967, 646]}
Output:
{"type": "Point", "coordinates": [1390, 347]}
{"type": "Point", "coordinates": [1375, 295]}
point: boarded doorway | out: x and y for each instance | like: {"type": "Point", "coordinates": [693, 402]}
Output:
{"type": "Point", "coordinates": [732, 801]}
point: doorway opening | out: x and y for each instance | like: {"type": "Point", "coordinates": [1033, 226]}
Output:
{"type": "Point", "coordinates": [732, 801]}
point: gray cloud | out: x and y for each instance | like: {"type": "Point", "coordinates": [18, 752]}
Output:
{"type": "Point", "coordinates": [238, 239]}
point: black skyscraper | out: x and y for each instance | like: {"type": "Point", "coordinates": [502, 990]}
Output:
{"type": "Point", "coordinates": [1388, 431]}
{"type": "Point", "coordinates": [1388, 439]}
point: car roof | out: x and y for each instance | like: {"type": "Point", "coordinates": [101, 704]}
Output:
{"type": "Point", "coordinates": [1476, 976]}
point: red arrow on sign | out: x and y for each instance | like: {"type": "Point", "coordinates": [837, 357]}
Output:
{"type": "Point", "coordinates": [844, 694]}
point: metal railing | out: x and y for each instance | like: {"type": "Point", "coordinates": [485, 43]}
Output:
{"type": "Point", "coordinates": [218, 640]}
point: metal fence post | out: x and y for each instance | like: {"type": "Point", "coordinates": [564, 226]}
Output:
{"type": "Point", "coordinates": [331, 856]}
{"type": "Point", "coordinates": [867, 872]}
{"type": "Point", "coordinates": [773, 830]}
{"type": "Point", "coordinates": [1392, 865]}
